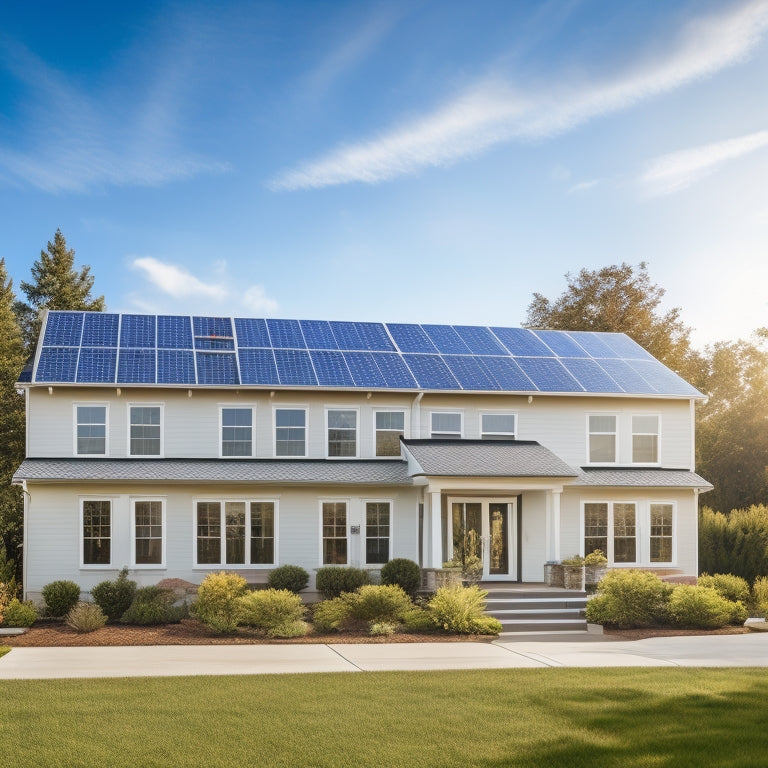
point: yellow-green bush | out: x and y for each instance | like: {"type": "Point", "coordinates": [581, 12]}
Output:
{"type": "Point", "coordinates": [703, 608]}
{"type": "Point", "coordinates": [19, 614]}
{"type": "Point", "coordinates": [760, 596]}
{"type": "Point", "coordinates": [629, 598]}
{"type": "Point", "coordinates": [731, 587]}
{"type": "Point", "coordinates": [331, 615]}
{"type": "Point", "coordinates": [378, 602]}
{"type": "Point", "coordinates": [279, 612]}
{"type": "Point", "coordinates": [460, 609]}
{"type": "Point", "coordinates": [217, 603]}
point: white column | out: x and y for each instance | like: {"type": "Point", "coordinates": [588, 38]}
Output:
{"type": "Point", "coordinates": [435, 531]}
{"type": "Point", "coordinates": [553, 525]}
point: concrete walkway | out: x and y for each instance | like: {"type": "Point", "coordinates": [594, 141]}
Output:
{"type": "Point", "coordinates": [173, 660]}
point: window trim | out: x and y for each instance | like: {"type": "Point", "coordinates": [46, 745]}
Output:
{"type": "Point", "coordinates": [673, 561]}
{"type": "Point", "coordinates": [658, 440]}
{"type": "Point", "coordinates": [160, 455]}
{"type": "Point", "coordinates": [333, 500]}
{"type": "Point", "coordinates": [90, 404]}
{"type": "Point", "coordinates": [615, 433]}
{"type": "Point", "coordinates": [81, 535]}
{"type": "Point", "coordinates": [241, 407]}
{"type": "Point", "coordinates": [247, 500]}
{"type": "Point", "coordinates": [364, 530]}
{"type": "Point", "coordinates": [276, 408]}
{"type": "Point", "coordinates": [513, 414]}
{"type": "Point", "coordinates": [389, 409]}
{"type": "Point", "coordinates": [356, 409]}
{"type": "Point", "coordinates": [132, 504]}
{"type": "Point", "coordinates": [452, 411]}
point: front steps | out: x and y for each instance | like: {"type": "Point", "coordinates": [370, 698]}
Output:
{"type": "Point", "coordinates": [534, 608]}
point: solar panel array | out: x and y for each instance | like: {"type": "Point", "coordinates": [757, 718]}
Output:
{"type": "Point", "coordinates": [102, 348]}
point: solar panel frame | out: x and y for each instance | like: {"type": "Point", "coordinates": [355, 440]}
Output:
{"type": "Point", "coordinates": [626, 376]}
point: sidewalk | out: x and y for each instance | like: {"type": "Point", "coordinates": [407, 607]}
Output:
{"type": "Point", "coordinates": [174, 660]}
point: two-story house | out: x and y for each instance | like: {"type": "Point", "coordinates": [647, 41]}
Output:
{"type": "Point", "coordinates": [179, 445]}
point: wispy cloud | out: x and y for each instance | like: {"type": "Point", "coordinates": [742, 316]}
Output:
{"type": "Point", "coordinates": [583, 186]}
{"type": "Point", "coordinates": [677, 170]}
{"type": "Point", "coordinates": [493, 111]}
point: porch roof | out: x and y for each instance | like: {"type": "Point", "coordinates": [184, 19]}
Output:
{"type": "Point", "coordinates": [484, 458]}
{"type": "Point", "coordinates": [639, 477]}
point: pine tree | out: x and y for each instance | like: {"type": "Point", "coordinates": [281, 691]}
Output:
{"type": "Point", "coordinates": [57, 285]}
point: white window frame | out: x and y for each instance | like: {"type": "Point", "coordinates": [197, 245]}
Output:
{"type": "Point", "coordinates": [81, 505]}
{"type": "Point", "coordinates": [239, 407]}
{"type": "Point", "coordinates": [354, 408]}
{"type": "Point", "coordinates": [160, 455]}
{"type": "Point", "coordinates": [275, 409]}
{"type": "Point", "coordinates": [507, 435]}
{"type": "Point", "coordinates": [393, 409]}
{"type": "Point", "coordinates": [615, 433]}
{"type": "Point", "coordinates": [452, 412]}
{"type": "Point", "coordinates": [658, 439]}
{"type": "Point", "coordinates": [334, 500]}
{"type": "Point", "coordinates": [673, 561]}
{"type": "Point", "coordinates": [247, 500]}
{"type": "Point", "coordinates": [86, 404]}
{"type": "Point", "coordinates": [132, 502]}
{"type": "Point", "coordinates": [364, 529]}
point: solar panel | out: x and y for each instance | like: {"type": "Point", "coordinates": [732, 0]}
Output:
{"type": "Point", "coordinates": [431, 372]}
{"type": "Point", "coordinates": [216, 368]}
{"type": "Point", "coordinates": [624, 347]}
{"type": "Point", "coordinates": [331, 369]}
{"type": "Point", "coordinates": [57, 364]}
{"type": "Point", "coordinates": [561, 343]}
{"type": "Point", "coordinates": [318, 334]}
{"type": "Point", "coordinates": [347, 335]}
{"type": "Point", "coordinates": [593, 344]}
{"type": "Point", "coordinates": [548, 374]}
{"type": "Point", "coordinates": [396, 373]}
{"type": "Point", "coordinates": [626, 377]}
{"type": "Point", "coordinates": [590, 375]}
{"type": "Point", "coordinates": [480, 340]}
{"type": "Point", "coordinates": [410, 338]}
{"type": "Point", "coordinates": [286, 334]}
{"type": "Point", "coordinates": [176, 366]}
{"type": "Point", "coordinates": [661, 378]}
{"type": "Point", "coordinates": [137, 331]}
{"type": "Point", "coordinates": [257, 366]}
{"type": "Point", "coordinates": [295, 367]}
{"type": "Point", "coordinates": [251, 332]}
{"type": "Point", "coordinates": [365, 372]}
{"type": "Point", "coordinates": [174, 332]}
{"type": "Point", "coordinates": [446, 340]}
{"type": "Point", "coordinates": [521, 341]}
{"type": "Point", "coordinates": [374, 337]}
{"type": "Point", "coordinates": [508, 374]}
{"type": "Point", "coordinates": [63, 329]}
{"type": "Point", "coordinates": [469, 372]}
{"type": "Point", "coordinates": [100, 330]}
{"type": "Point", "coordinates": [213, 333]}
{"type": "Point", "coordinates": [136, 366]}
{"type": "Point", "coordinates": [97, 364]}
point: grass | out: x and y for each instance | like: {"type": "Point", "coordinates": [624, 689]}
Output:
{"type": "Point", "coordinates": [609, 718]}
{"type": "Point", "coordinates": [4, 649]}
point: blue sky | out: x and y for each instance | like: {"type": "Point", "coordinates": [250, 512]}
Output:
{"type": "Point", "coordinates": [423, 161]}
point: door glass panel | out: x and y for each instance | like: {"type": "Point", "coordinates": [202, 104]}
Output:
{"type": "Point", "coordinates": [467, 532]}
{"type": "Point", "coordinates": [498, 518]}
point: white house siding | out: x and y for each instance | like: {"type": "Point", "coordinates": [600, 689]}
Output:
{"type": "Point", "coordinates": [533, 535]}
{"type": "Point", "coordinates": [52, 549]}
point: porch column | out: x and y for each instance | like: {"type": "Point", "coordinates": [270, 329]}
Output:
{"type": "Point", "coordinates": [553, 525]}
{"type": "Point", "coordinates": [435, 559]}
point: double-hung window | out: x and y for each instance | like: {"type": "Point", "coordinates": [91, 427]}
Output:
{"type": "Point", "coordinates": [645, 439]}
{"type": "Point", "coordinates": [148, 524]}
{"type": "Point", "coordinates": [145, 430]}
{"type": "Point", "coordinates": [390, 427]}
{"type": "Point", "coordinates": [378, 528]}
{"type": "Point", "coordinates": [96, 515]}
{"type": "Point", "coordinates": [236, 431]}
{"type": "Point", "coordinates": [91, 430]}
{"type": "Point", "coordinates": [446, 426]}
{"type": "Point", "coordinates": [497, 426]}
{"type": "Point", "coordinates": [333, 524]}
{"type": "Point", "coordinates": [661, 533]}
{"type": "Point", "coordinates": [291, 432]}
{"type": "Point", "coordinates": [602, 438]}
{"type": "Point", "coordinates": [342, 432]}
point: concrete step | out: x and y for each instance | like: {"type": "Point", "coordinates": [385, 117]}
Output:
{"type": "Point", "coordinates": [536, 610]}
{"type": "Point", "coordinates": [572, 613]}
{"type": "Point", "coordinates": [543, 604]}
{"type": "Point", "coordinates": [512, 627]}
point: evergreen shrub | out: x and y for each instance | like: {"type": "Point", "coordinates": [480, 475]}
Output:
{"type": "Point", "coordinates": [460, 609]}
{"type": "Point", "coordinates": [703, 608]}
{"type": "Point", "coordinates": [760, 596]}
{"type": "Point", "coordinates": [277, 611]}
{"type": "Point", "coordinates": [19, 614]}
{"type": "Point", "coordinates": [154, 605]}
{"type": "Point", "coordinates": [60, 597]}
{"type": "Point", "coordinates": [402, 572]}
{"type": "Point", "coordinates": [291, 577]}
{"type": "Point", "coordinates": [332, 580]}
{"type": "Point", "coordinates": [217, 603]}
{"type": "Point", "coordinates": [731, 587]}
{"type": "Point", "coordinates": [331, 615]}
{"type": "Point", "coordinates": [115, 597]}
{"type": "Point", "coordinates": [628, 599]}
{"type": "Point", "coordinates": [377, 602]}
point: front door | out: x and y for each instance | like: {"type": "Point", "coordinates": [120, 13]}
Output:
{"type": "Point", "coordinates": [483, 533]}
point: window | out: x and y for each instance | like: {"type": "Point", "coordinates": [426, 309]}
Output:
{"type": "Point", "coordinates": [342, 433]}
{"type": "Point", "coordinates": [237, 431]}
{"type": "Point", "coordinates": [91, 430]}
{"type": "Point", "coordinates": [377, 530]}
{"type": "Point", "coordinates": [148, 524]}
{"type": "Point", "coordinates": [596, 528]}
{"type": "Point", "coordinates": [602, 439]}
{"type": "Point", "coordinates": [145, 430]}
{"type": "Point", "coordinates": [645, 439]}
{"type": "Point", "coordinates": [624, 533]}
{"type": "Point", "coordinates": [334, 532]}
{"type": "Point", "coordinates": [97, 531]}
{"type": "Point", "coordinates": [290, 432]}
{"type": "Point", "coordinates": [497, 426]}
{"type": "Point", "coordinates": [661, 533]}
{"type": "Point", "coordinates": [235, 533]}
{"type": "Point", "coordinates": [390, 427]}
{"type": "Point", "coordinates": [446, 426]}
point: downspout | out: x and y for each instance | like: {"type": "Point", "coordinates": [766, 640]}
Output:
{"type": "Point", "coordinates": [416, 416]}
{"type": "Point", "coordinates": [27, 497]}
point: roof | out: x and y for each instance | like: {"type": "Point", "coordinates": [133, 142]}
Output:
{"type": "Point", "coordinates": [97, 348]}
{"type": "Point", "coordinates": [485, 458]}
{"type": "Point", "coordinates": [640, 477]}
{"type": "Point", "coordinates": [388, 472]}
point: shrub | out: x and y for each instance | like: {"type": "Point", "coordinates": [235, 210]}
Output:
{"type": "Point", "coordinates": [595, 557]}
{"type": "Point", "coordinates": [115, 597]}
{"type": "Point", "coordinates": [404, 573]}
{"type": "Point", "coordinates": [333, 580]}
{"type": "Point", "coordinates": [18, 614]}
{"type": "Point", "coordinates": [5, 598]}
{"type": "Point", "coordinates": [575, 560]}
{"type": "Point", "coordinates": [274, 610]}
{"type": "Point", "coordinates": [382, 628]}
{"type": "Point", "coordinates": [455, 608]}
{"type": "Point", "coordinates": [290, 577]}
{"type": "Point", "coordinates": [86, 617]}
{"type": "Point", "coordinates": [154, 605]}
{"type": "Point", "coordinates": [629, 598]}
{"type": "Point", "coordinates": [60, 597]}
{"type": "Point", "coordinates": [732, 588]}
{"type": "Point", "coordinates": [217, 601]}
{"type": "Point", "coordinates": [760, 596]}
{"type": "Point", "coordinates": [486, 625]}
{"type": "Point", "coordinates": [374, 602]}
{"type": "Point", "coordinates": [701, 607]}
{"type": "Point", "coordinates": [291, 629]}
{"type": "Point", "coordinates": [418, 620]}
{"type": "Point", "coordinates": [331, 615]}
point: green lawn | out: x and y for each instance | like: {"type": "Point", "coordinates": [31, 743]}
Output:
{"type": "Point", "coordinates": [601, 718]}
{"type": "Point", "coordinates": [4, 649]}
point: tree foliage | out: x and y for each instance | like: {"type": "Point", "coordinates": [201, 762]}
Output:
{"type": "Point", "coordinates": [736, 543]}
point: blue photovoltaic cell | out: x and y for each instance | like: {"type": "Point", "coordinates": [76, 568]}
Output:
{"type": "Point", "coordinates": [137, 331]}
{"type": "Point", "coordinates": [445, 338]}
{"type": "Point", "coordinates": [251, 333]}
{"type": "Point", "coordinates": [522, 342]}
{"type": "Point", "coordinates": [26, 374]}
{"type": "Point", "coordinates": [592, 342]}
{"type": "Point", "coordinates": [63, 329]}
{"type": "Point", "coordinates": [174, 332]}
{"type": "Point", "coordinates": [661, 378]}
{"type": "Point", "coordinates": [365, 372]}
{"type": "Point", "coordinates": [176, 366]}
{"type": "Point", "coordinates": [295, 367]}
{"type": "Point", "coordinates": [508, 374]}
{"type": "Point", "coordinates": [216, 368]}
{"type": "Point", "coordinates": [213, 333]}
{"type": "Point", "coordinates": [624, 347]}
{"type": "Point", "coordinates": [480, 340]}
{"type": "Point", "coordinates": [257, 366]}
{"type": "Point", "coordinates": [396, 373]}
{"type": "Point", "coordinates": [57, 364]}
{"type": "Point", "coordinates": [331, 369]}
{"type": "Point", "coordinates": [548, 374]}
{"type": "Point", "coordinates": [97, 364]}
{"type": "Point", "coordinates": [469, 372]}
{"type": "Point", "coordinates": [590, 375]}
{"type": "Point", "coordinates": [626, 376]}
{"type": "Point", "coordinates": [136, 366]}
{"type": "Point", "coordinates": [100, 330]}
{"type": "Point", "coordinates": [286, 334]}
{"type": "Point", "coordinates": [431, 372]}
{"type": "Point", "coordinates": [374, 337]}
{"type": "Point", "coordinates": [561, 343]}
{"type": "Point", "coordinates": [318, 334]}
{"type": "Point", "coordinates": [410, 338]}
{"type": "Point", "coordinates": [347, 336]}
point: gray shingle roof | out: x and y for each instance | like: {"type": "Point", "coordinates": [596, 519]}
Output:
{"type": "Point", "coordinates": [486, 458]}
{"type": "Point", "coordinates": [637, 477]}
{"type": "Point", "coordinates": [386, 472]}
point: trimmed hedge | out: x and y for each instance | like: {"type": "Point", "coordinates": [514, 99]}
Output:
{"type": "Point", "coordinates": [279, 612]}
{"type": "Point", "coordinates": [703, 608]}
{"type": "Point", "coordinates": [628, 599]}
{"type": "Point", "coordinates": [731, 587]}
{"type": "Point", "coordinates": [217, 603]}
{"type": "Point", "coordinates": [404, 573]}
{"type": "Point", "coordinates": [60, 597]}
{"type": "Point", "coordinates": [291, 577]}
{"type": "Point", "coordinates": [332, 580]}
{"type": "Point", "coordinates": [115, 597]}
